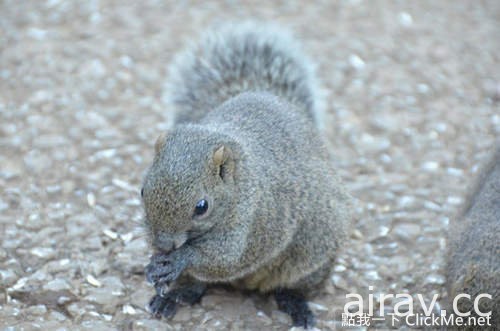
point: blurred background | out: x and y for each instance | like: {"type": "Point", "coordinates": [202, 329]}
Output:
{"type": "Point", "coordinates": [412, 91]}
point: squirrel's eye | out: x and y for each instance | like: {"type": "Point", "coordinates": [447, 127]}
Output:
{"type": "Point", "coordinates": [201, 207]}
{"type": "Point", "coordinates": [142, 192]}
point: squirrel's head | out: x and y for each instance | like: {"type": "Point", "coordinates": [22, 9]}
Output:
{"type": "Point", "coordinates": [189, 188]}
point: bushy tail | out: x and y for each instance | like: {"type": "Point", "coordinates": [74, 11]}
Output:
{"type": "Point", "coordinates": [239, 58]}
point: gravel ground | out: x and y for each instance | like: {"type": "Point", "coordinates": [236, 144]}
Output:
{"type": "Point", "coordinates": [412, 91]}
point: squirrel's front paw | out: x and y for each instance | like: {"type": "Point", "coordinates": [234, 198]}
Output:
{"type": "Point", "coordinates": [162, 306]}
{"type": "Point", "coordinates": [165, 268]}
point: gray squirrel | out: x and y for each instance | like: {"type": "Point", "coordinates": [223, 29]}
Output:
{"type": "Point", "coordinates": [473, 260]}
{"type": "Point", "coordinates": [242, 190]}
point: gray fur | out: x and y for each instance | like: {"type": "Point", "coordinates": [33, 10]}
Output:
{"type": "Point", "coordinates": [473, 264]}
{"type": "Point", "coordinates": [278, 212]}
{"type": "Point", "coordinates": [232, 59]}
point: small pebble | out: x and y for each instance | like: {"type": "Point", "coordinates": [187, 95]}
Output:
{"type": "Point", "coordinates": [430, 166]}
{"type": "Point", "coordinates": [111, 234]}
{"type": "Point", "coordinates": [405, 19]}
{"type": "Point", "coordinates": [37, 310]}
{"type": "Point", "coordinates": [129, 310]}
{"type": "Point", "coordinates": [356, 62]}
{"type": "Point", "coordinates": [91, 199]}
{"type": "Point", "coordinates": [93, 281]}
{"type": "Point", "coordinates": [57, 285]}
{"type": "Point", "coordinates": [435, 279]}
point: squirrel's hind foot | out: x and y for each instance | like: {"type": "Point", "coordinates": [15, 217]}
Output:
{"type": "Point", "coordinates": [294, 304]}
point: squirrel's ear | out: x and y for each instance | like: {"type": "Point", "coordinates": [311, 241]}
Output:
{"type": "Point", "coordinates": [219, 156]}
{"type": "Point", "coordinates": [223, 162]}
{"type": "Point", "coordinates": [160, 142]}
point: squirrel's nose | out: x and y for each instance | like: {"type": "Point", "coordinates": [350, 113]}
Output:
{"type": "Point", "coordinates": [168, 242]}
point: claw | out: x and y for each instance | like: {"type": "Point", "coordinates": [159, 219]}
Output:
{"type": "Point", "coordinates": [162, 307]}
{"type": "Point", "coordinates": [162, 289]}
{"type": "Point", "coordinates": [164, 269]}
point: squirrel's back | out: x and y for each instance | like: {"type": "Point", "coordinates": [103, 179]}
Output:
{"type": "Point", "coordinates": [240, 58]}
{"type": "Point", "coordinates": [473, 265]}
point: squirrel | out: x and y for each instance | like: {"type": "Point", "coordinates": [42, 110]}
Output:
{"type": "Point", "coordinates": [473, 259]}
{"type": "Point", "coordinates": [242, 190]}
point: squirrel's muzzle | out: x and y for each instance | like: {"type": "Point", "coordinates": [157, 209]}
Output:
{"type": "Point", "coordinates": [168, 242]}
